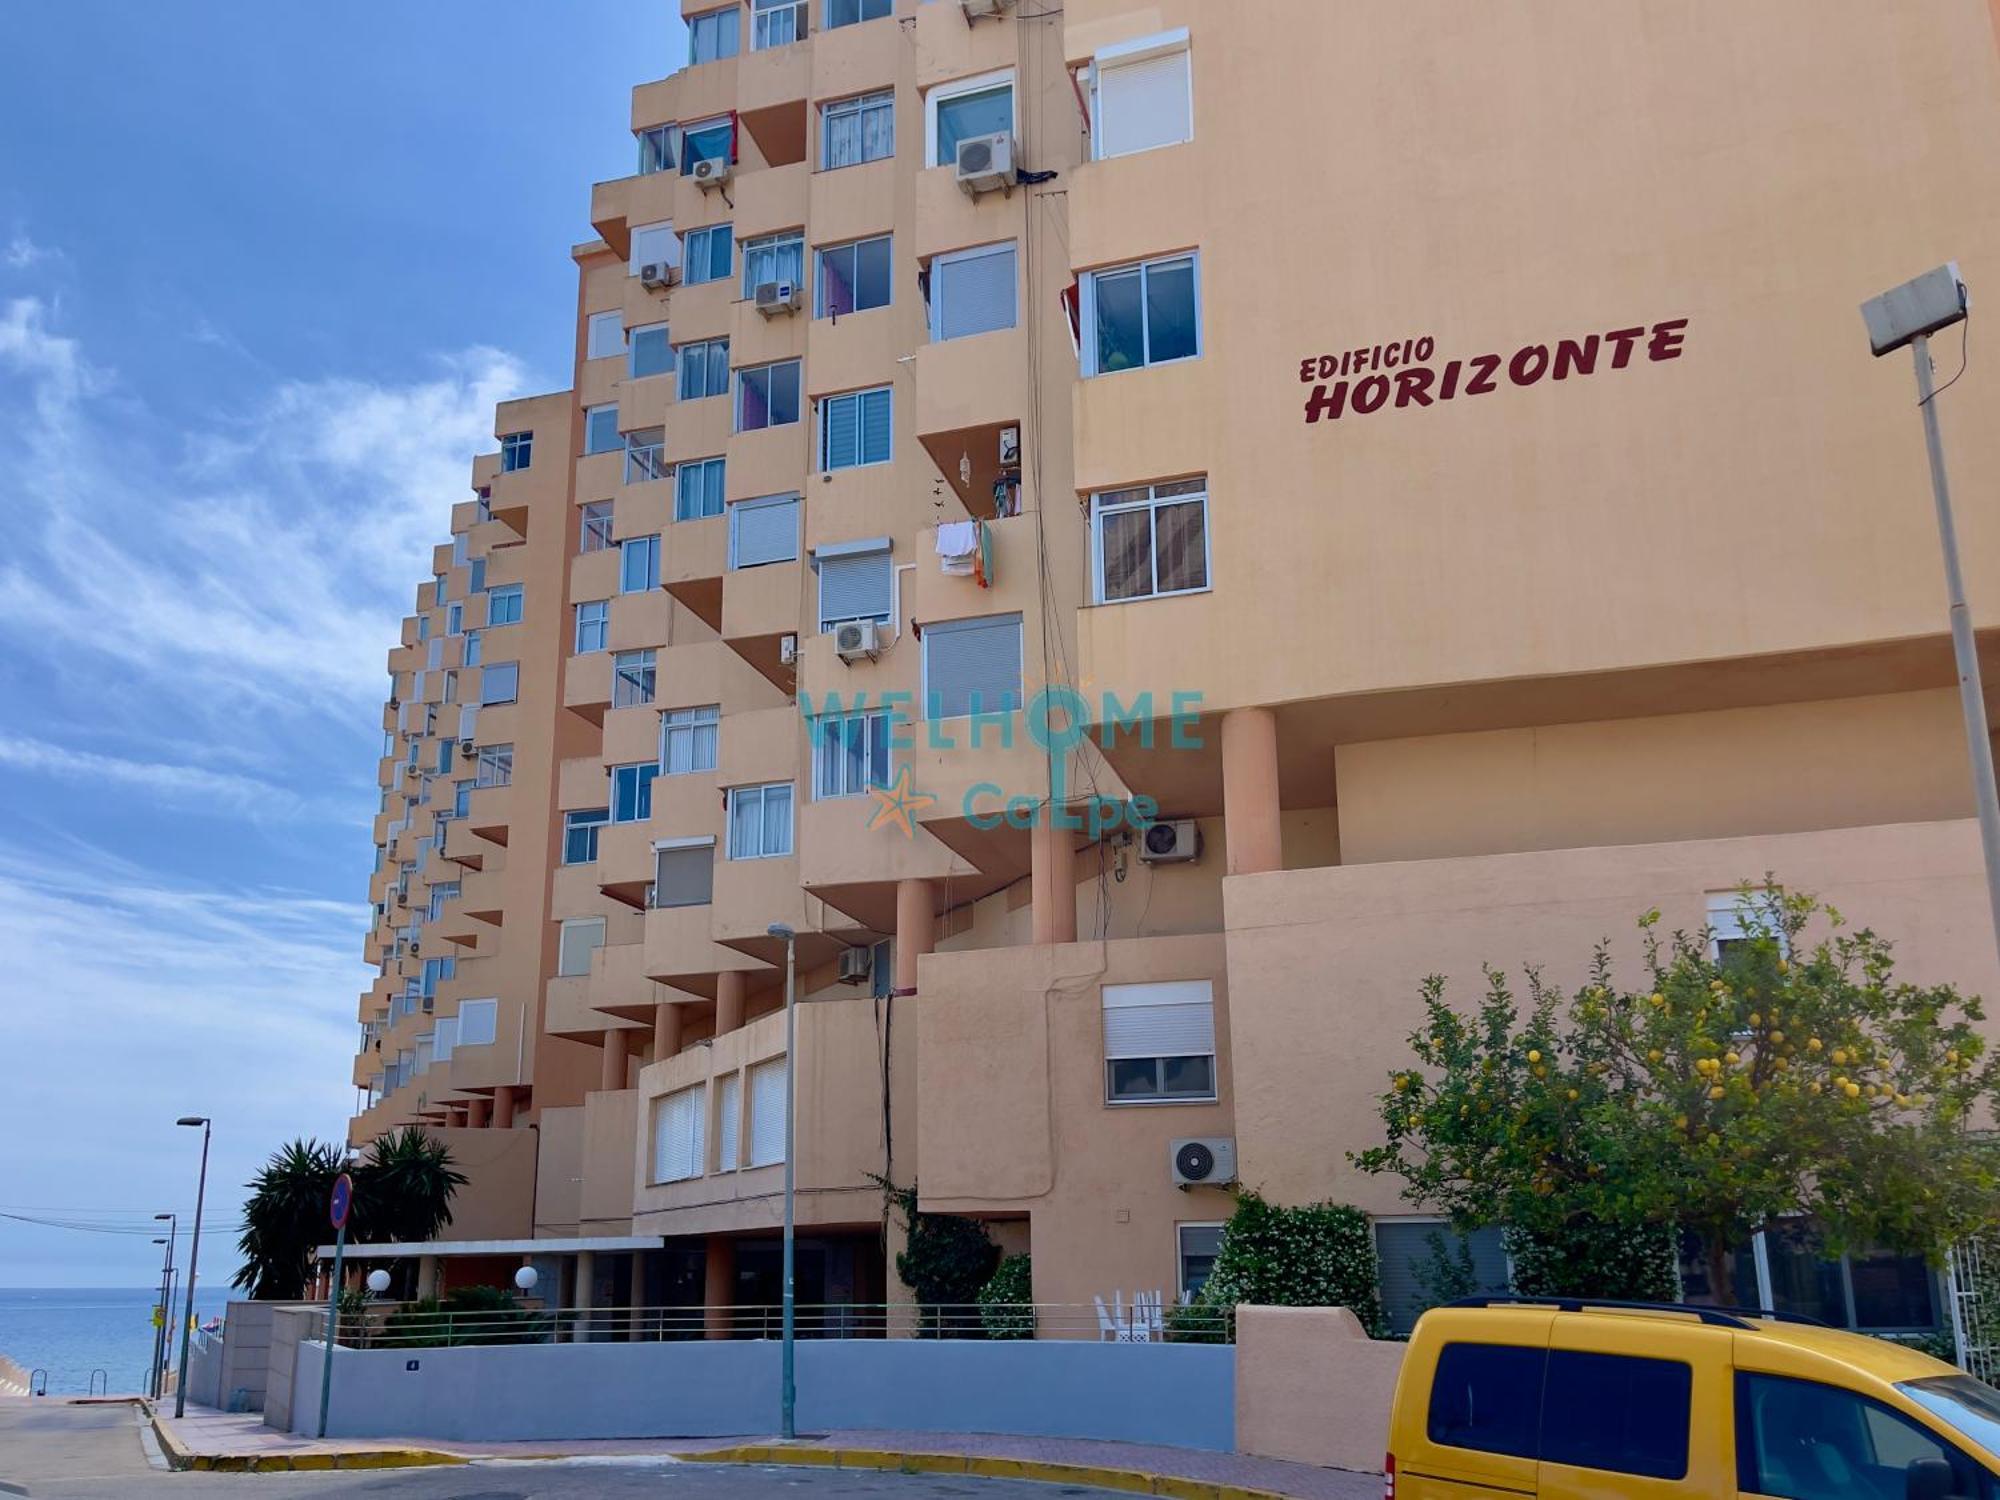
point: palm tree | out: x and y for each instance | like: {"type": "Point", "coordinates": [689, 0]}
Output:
{"type": "Point", "coordinates": [285, 1218]}
{"type": "Point", "coordinates": [403, 1188]}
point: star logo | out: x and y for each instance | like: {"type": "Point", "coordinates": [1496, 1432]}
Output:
{"type": "Point", "coordinates": [897, 805]}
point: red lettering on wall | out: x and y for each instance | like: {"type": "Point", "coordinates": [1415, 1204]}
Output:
{"type": "Point", "coordinates": [1622, 339]}
{"type": "Point", "coordinates": [1666, 340]}
{"type": "Point", "coordinates": [1413, 385]}
{"type": "Point", "coordinates": [1322, 404]}
{"type": "Point", "coordinates": [1570, 355]}
{"type": "Point", "coordinates": [1369, 394]}
{"type": "Point", "coordinates": [1528, 365]}
{"type": "Point", "coordinates": [1483, 366]}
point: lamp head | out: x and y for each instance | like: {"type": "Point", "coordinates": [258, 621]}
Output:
{"type": "Point", "coordinates": [781, 932]}
{"type": "Point", "coordinates": [526, 1277]}
{"type": "Point", "coordinates": [378, 1281]}
{"type": "Point", "coordinates": [192, 1120]}
{"type": "Point", "coordinates": [163, 1216]}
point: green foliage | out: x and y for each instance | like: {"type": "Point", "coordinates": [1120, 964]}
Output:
{"type": "Point", "coordinates": [1584, 1258]}
{"type": "Point", "coordinates": [1006, 1308]}
{"type": "Point", "coordinates": [1317, 1255]}
{"type": "Point", "coordinates": [1787, 1080]}
{"type": "Point", "coordinates": [1447, 1272]}
{"type": "Point", "coordinates": [465, 1316]}
{"type": "Point", "coordinates": [945, 1261]}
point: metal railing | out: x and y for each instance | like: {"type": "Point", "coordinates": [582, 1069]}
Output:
{"type": "Point", "coordinates": [388, 1325]}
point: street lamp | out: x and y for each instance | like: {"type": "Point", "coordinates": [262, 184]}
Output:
{"type": "Point", "coordinates": [378, 1281]}
{"type": "Point", "coordinates": [1910, 314]}
{"type": "Point", "coordinates": [788, 1391]}
{"type": "Point", "coordinates": [163, 1336]}
{"type": "Point", "coordinates": [194, 1259]}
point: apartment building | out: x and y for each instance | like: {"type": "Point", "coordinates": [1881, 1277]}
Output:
{"type": "Point", "coordinates": [1137, 533]}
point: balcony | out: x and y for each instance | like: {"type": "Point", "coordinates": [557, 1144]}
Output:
{"type": "Point", "coordinates": [587, 686]}
{"type": "Point", "coordinates": [617, 205]}
{"type": "Point", "coordinates": [854, 868]}
{"type": "Point", "coordinates": [625, 863]}
{"type": "Point", "coordinates": [968, 391]}
{"type": "Point", "coordinates": [695, 557]}
{"type": "Point", "coordinates": [850, 203]}
{"type": "Point", "coordinates": [679, 950]}
{"type": "Point", "coordinates": [645, 402]}
{"type": "Point", "coordinates": [760, 607]}
{"type": "Point", "coordinates": [640, 620]}
{"type": "Point", "coordinates": [486, 818]}
{"type": "Point", "coordinates": [772, 86]}
{"type": "Point", "coordinates": [594, 575]}
{"type": "Point", "coordinates": [947, 48]}
{"type": "Point", "coordinates": [770, 200]}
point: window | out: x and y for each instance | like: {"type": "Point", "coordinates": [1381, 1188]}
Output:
{"type": "Point", "coordinates": [638, 564]}
{"type": "Point", "coordinates": [454, 618]}
{"type": "Point", "coordinates": [656, 149]}
{"type": "Point", "coordinates": [704, 370]}
{"type": "Point", "coordinates": [760, 821]}
{"type": "Point", "coordinates": [632, 679]}
{"type": "Point", "coordinates": [475, 574]}
{"type": "Point", "coordinates": [503, 605]}
{"type": "Point", "coordinates": [847, 12]}
{"type": "Point", "coordinates": [580, 835]}
{"type": "Point", "coordinates": [1411, 1252]}
{"type": "Point", "coordinates": [478, 1022]}
{"type": "Point", "coordinates": [687, 739]}
{"type": "Point", "coordinates": [651, 352]}
{"type": "Point", "coordinates": [594, 526]}
{"type": "Point", "coordinates": [474, 645]}
{"type": "Point", "coordinates": [600, 429]}
{"type": "Point", "coordinates": [954, 112]}
{"type": "Point", "coordinates": [1159, 1041]}
{"type": "Point", "coordinates": [852, 278]}
{"type": "Point", "coordinates": [698, 489]}
{"type": "Point", "coordinates": [677, 1142]}
{"type": "Point", "coordinates": [461, 797]}
{"type": "Point", "coordinates": [856, 582]}
{"type": "Point", "coordinates": [850, 753]}
{"type": "Point", "coordinates": [972, 291]}
{"type": "Point", "coordinates": [1487, 1397]}
{"type": "Point", "coordinates": [1198, 1244]}
{"type": "Point", "coordinates": [767, 396]}
{"type": "Point", "coordinates": [852, 131]}
{"type": "Point", "coordinates": [854, 429]}
{"type": "Point", "coordinates": [972, 666]}
{"type": "Point", "coordinates": [764, 531]}
{"type": "Point", "coordinates": [606, 337]}
{"type": "Point", "coordinates": [1147, 314]}
{"type": "Point", "coordinates": [775, 257]}
{"type": "Point", "coordinates": [443, 757]}
{"type": "Point", "coordinates": [593, 624]}
{"type": "Point", "coordinates": [436, 971]}
{"type": "Point", "coordinates": [1150, 540]}
{"type": "Point", "coordinates": [500, 682]}
{"type": "Point", "coordinates": [632, 792]}
{"type": "Point", "coordinates": [768, 1101]}
{"type": "Point", "coordinates": [728, 1120]}
{"type": "Point", "coordinates": [1616, 1412]}
{"type": "Point", "coordinates": [645, 455]}
{"type": "Point", "coordinates": [1144, 96]}
{"type": "Point", "coordinates": [1806, 1441]}
{"type": "Point", "coordinates": [517, 450]}
{"type": "Point", "coordinates": [495, 766]}
{"type": "Point", "coordinates": [710, 140]}
{"type": "Point", "coordinates": [712, 35]}
{"type": "Point", "coordinates": [708, 254]}
{"type": "Point", "coordinates": [653, 244]}
{"type": "Point", "coordinates": [441, 893]}
{"type": "Point", "coordinates": [1966, 1403]}
{"type": "Point", "coordinates": [776, 22]}
{"type": "Point", "coordinates": [1736, 920]}
{"type": "Point", "coordinates": [683, 872]}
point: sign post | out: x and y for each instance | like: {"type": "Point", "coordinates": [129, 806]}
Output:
{"type": "Point", "coordinates": [337, 1207]}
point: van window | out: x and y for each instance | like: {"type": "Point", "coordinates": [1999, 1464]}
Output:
{"type": "Point", "coordinates": [1802, 1440]}
{"type": "Point", "coordinates": [1617, 1412]}
{"type": "Point", "coordinates": [1487, 1397]}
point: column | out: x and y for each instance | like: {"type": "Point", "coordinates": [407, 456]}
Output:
{"type": "Point", "coordinates": [503, 1106]}
{"type": "Point", "coordinates": [427, 1276]}
{"type": "Point", "coordinates": [916, 932]}
{"type": "Point", "coordinates": [478, 1111]}
{"type": "Point", "coordinates": [586, 1297]}
{"type": "Point", "coordinates": [730, 985]}
{"type": "Point", "coordinates": [1250, 791]}
{"type": "Point", "coordinates": [666, 1030]}
{"type": "Point", "coordinates": [1052, 879]}
{"type": "Point", "coordinates": [612, 1078]}
{"type": "Point", "coordinates": [718, 1290]}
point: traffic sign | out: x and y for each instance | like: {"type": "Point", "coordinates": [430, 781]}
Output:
{"type": "Point", "coordinates": [343, 1199]}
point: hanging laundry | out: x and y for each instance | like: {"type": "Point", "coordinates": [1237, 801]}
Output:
{"type": "Point", "coordinates": [958, 546]}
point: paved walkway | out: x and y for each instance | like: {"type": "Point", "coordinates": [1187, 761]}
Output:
{"type": "Point", "coordinates": [242, 1440]}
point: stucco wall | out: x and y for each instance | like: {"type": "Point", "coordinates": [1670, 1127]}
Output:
{"type": "Point", "coordinates": [497, 1201]}
{"type": "Point", "coordinates": [1311, 1386]}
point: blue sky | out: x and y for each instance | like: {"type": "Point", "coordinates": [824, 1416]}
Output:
{"type": "Point", "coordinates": [264, 270]}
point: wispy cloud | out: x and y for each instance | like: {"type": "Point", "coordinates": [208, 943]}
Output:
{"type": "Point", "coordinates": [194, 785]}
{"type": "Point", "coordinates": [22, 252]}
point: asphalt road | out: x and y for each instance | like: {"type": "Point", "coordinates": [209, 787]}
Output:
{"type": "Point", "coordinates": [76, 1451]}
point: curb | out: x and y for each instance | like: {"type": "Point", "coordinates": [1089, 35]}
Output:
{"type": "Point", "coordinates": [1131, 1481]}
{"type": "Point", "coordinates": [181, 1457]}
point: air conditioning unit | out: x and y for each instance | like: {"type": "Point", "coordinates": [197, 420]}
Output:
{"type": "Point", "coordinates": [467, 747]}
{"type": "Point", "coordinates": [986, 162]}
{"type": "Point", "coordinates": [1209, 1161]}
{"type": "Point", "coordinates": [656, 274]}
{"type": "Point", "coordinates": [857, 965]}
{"type": "Point", "coordinates": [788, 650]}
{"type": "Point", "coordinates": [711, 172]}
{"type": "Point", "coordinates": [856, 639]}
{"type": "Point", "coordinates": [1176, 842]}
{"type": "Point", "coordinates": [776, 298]}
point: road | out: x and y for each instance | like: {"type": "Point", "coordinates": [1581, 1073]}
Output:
{"type": "Point", "coordinates": [59, 1450]}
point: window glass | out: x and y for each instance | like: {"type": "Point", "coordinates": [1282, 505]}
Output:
{"type": "Point", "coordinates": [496, 766]}
{"type": "Point", "coordinates": [639, 565]}
{"type": "Point", "coordinates": [1417, 1257]}
{"type": "Point", "coordinates": [760, 821]}
{"type": "Point", "coordinates": [606, 338]}
{"type": "Point", "coordinates": [1152, 539]}
{"type": "Point", "coordinates": [594, 526]}
{"type": "Point", "coordinates": [632, 792]}
{"type": "Point", "coordinates": [1159, 1040]}
{"type": "Point", "coordinates": [855, 429]}
{"type": "Point", "coordinates": [704, 370]}
{"type": "Point", "coordinates": [850, 753]}
{"type": "Point", "coordinates": [776, 22]}
{"type": "Point", "coordinates": [503, 604]}
{"type": "Point", "coordinates": [712, 35]}
{"type": "Point", "coordinates": [1199, 1246]}
{"type": "Point", "coordinates": [687, 739]}
{"type": "Point", "coordinates": [600, 430]}
{"type": "Point", "coordinates": [593, 622]}
{"type": "Point", "coordinates": [633, 677]}
{"type": "Point", "coordinates": [855, 586]}
{"type": "Point", "coordinates": [580, 831]}
{"type": "Point", "coordinates": [1970, 1405]}
{"type": "Point", "coordinates": [698, 489]}
{"type": "Point", "coordinates": [847, 12]}
{"type": "Point", "coordinates": [767, 396]}
{"type": "Point", "coordinates": [708, 254]}
{"type": "Point", "coordinates": [777, 257]}
{"type": "Point", "coordinates": [477, 1022]}
{"type": "Point", "coordinates": [651, 353]}
{"type": "Point", "coordinates": [1142, 315]}
{"type": "Point", "coordinates": [857, 130]}
{"type": "Point", "coordinates": [987, 111]}
{"type": "Point", "coordinates": [852, 278]}
{"type": "Point", "coordinates": [499, 682]}
{"type": "Point", "coordinates": [656, 149]}
{"type": "Point", "coordinates": [581, 937]}
{"type": "Point", "coordinates": [645, 455]}
{"type": "Point", "coordinates": [516, 451]}
{"type": "Point", "coordinates": [706, 142]}
{"type": "Point", "coordinates": [1800, 1440]}
{"type": "Point", "coordinates": [1487, 1397]}
{"type": "Point", "coordinates": [1616, 1412]}
{"type": "Point", "coordinates": [973, 291]}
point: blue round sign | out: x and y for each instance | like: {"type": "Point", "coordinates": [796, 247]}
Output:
{"type": "Point", "coordinates": [343, 1199]}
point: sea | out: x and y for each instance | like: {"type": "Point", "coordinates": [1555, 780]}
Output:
{"type": "Point", "coordinates": [74, 1331]}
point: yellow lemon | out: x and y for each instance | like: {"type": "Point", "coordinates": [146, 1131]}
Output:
{"type": "Point", "coordinates": [1839, 1056]}
{"type": "Point", "coordinates": [1657, 998]}
{"type": "Point", "coordinates": [1732, 1058]}
{"type": "Point", "coordinates": [1573, 1096]}
{"type": "Point", "coordinates": [1716, 1092]}
{"type": "Point", "coordinates": [1655, 1055]}
{"type": "Point", "coordinates": [1813, 1044]}
{"type": "Point", "coordinates": [1755, 1019]}
{"type": "Point", "coordinates": [1534, 1055]}
{"type": "Point", "coordinates": [1778, 1038]}
{"type": "Point", "coordinates": [1852, 1090]}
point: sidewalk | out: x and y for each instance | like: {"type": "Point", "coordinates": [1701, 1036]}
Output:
{"type": "Point", "coordinates": [219, 1440]}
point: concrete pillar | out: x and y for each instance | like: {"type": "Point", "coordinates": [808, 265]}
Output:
{"type": "Point", "coordinates": [616, 1042]}
{"type": "Point", "coordinates": [586, 1296]}
{"type": "Point", "coordinates": [718, 1290]}
{"type": "Point", "coordinates": [503, 1106]}
{"type": "Point", "coordinates": [1250, 791]}
{"type": "Point", "coordinates": [427, 1276]}
{"type": "Point", "coordinates": [916, 931]}
{"type": "Point", "coordinates": [730, 986]}
{"type": "Point", "coordinates": [1052, 880]}
{"type": "Point", "coordinates": [666, 1031]}
{"type": "Point", "coordinates": [478, 1112]}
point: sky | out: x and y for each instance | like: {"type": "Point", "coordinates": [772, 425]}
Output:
{"type": "Point", "coordinates": [262, 280]}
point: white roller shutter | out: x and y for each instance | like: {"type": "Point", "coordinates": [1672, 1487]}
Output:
{"type": "Point", "coordinates": [855, 586]}
{"type": "Point", "coordinates": [478, 1021]}
{"type": "Point", "coordinates": [446, 1038]}
{"type": "Point", "coordinates": [973, 292]}
{"type": "Point", "coordinates": [677, 1137]}
{"type": "Point", "coordinates": [1143, 103]}
{"type": "Point", "coordinates": [764, 531]}
{"type": "Point", "coordinates": [684, 875]}
{"type": "Point", "coordinates": [972, 666]}
{"type": "Point", "coordinates": [1175, 1018]}
{"type": "Point", "coordinates": [767, 1113]}
{"type": "Point", "coordinates": [728, 1120]}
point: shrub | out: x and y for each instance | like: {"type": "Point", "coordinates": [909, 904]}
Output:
{"type": "Point", "coordinates": [1006, 1301]}
{"type": "Point", "coordinates": [1588, 1259]}
{"type": "Point", "coordinates": [946, 1260]}
{"type": "Point", "coordinates": [1317, 1255]}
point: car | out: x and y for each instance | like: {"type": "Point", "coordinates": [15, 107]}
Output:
{"type": "Point", "coordinates": [1507, 1396]}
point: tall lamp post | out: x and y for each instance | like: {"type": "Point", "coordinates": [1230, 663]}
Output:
{"type": "Point", "coordinates": [194, 1259]}
{"type": "Point", "coordinates": [163, 1336]}
{"type": "Point", "coordinates": [788, 1391]}
{"type": "Point", "coordinates": [1910, 314]}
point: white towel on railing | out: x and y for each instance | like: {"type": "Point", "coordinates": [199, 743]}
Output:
{"type": "Point", "coordinates": [957, 544]}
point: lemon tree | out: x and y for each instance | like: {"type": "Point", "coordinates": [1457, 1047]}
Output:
{"type": "Point", "coordinates": [1784, 1078]}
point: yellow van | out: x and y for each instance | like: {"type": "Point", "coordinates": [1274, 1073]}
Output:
{"type": "Point", "coordinates": [1577, 1400]}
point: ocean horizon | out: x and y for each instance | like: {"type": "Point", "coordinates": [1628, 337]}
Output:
{"type": "Point", "coordinates": [72, 1331]}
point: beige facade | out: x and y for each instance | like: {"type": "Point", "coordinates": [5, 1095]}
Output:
{"type": "Point", "coordinates": [1435, 447]}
